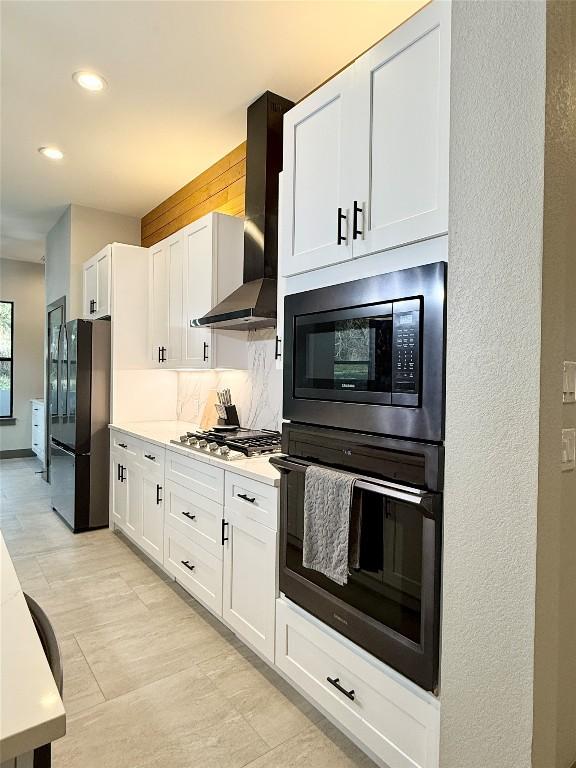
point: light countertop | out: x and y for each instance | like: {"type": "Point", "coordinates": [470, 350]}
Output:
{"type": "Point", "coordinates": [32, 712]}
{"type": "Point", "coordinates": [161, 432]}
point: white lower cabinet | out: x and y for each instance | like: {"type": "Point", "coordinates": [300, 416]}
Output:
{"type": "Point", "coordinates": [151, 499]}
{"type": "Point", "coordinates": [118, 492]}
{"type": "Point", "coordinates": [38, 429]}
{"type": "Point", "coordinates": [394, 719]}
{"type": "Point", "coordinates": [250, 580]}
{"type": "Point", "coordinates": [199, 572]}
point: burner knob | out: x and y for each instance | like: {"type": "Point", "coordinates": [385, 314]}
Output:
{"type": "Point", "coordinates": [183, 438]}
{"type": "Point", "coordinates": [193, 442]}
{"type": "Point", "coordinates": [224, 451]}
{"type": "Point", "coordinates": [202, 444]}
{"type": "Point", "coordinates": [213, 447]}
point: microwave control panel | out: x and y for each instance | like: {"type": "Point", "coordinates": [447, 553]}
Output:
{"type": "Point", "coordinates": [406, 352]}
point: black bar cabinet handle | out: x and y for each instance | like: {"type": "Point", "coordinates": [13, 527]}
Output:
{"type": "Point", "coordinates": [247, 498]}
{"type": "Point", "coordinates": [122, 445]}
{"type": "Point", "coordinates": [341, 217]}
{"type": "Point", "coordinates": [224, 538]}
{"type": "Point", "coordinates": [162, 354]}
{"type": "Point", "coordinates": [205, 356]}
{"type": "Point", "coordinates": [335, 681]}
{"type": "Point", "coordinates": [158, 492]}
{"type": "Point", "coordinates": [277, 353]}
{"type": "Point", "coordinates": [118, 476]}
{"type": "Point", "coordinates": [355, 231]}
{"type": "Point", "coordinates": [186, 564]}
{"type": "Point", "coordinates": [159, 354]}
{"type": "Point", "coordinates": [149, 456]}
{"type": "Point", "coordinates": [123, 476]}
{"type": "Point", "coordinates": [189, 516]}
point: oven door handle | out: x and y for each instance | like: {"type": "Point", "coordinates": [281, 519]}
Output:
{"type": "Point", "coordinates": [421, 499]}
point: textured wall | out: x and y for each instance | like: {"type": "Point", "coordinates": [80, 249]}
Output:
{"type": "Point", "coordinates": [555, 646]}
{"type": "Point", "coordinates": [23, 283]}
{"type": "Point", "coordinates": [493, 371]}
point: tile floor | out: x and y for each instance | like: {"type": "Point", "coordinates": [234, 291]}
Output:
{"type": "Point", "coordinates": [151, 679]}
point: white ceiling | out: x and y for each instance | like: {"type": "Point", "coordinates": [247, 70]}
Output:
{"type": "Point", "coordinates": [180, 77]}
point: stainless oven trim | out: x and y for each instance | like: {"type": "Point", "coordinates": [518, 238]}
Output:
{"type": "Point", "coordinates": [404, 416]}
{"type": "Point", "coordinates": [418, 661]}
{"type": "Point", "coordinates": [423, 499]}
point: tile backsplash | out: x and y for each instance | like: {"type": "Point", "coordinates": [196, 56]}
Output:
{"type": "Point", "coordinates": [256, 392]}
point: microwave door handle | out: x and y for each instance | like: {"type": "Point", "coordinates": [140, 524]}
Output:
{"type": "Point", "coordinates": [420, 499]}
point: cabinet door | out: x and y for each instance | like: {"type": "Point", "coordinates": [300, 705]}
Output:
{"type": "Point", "coordinates": [103, 273]}
{"type": "Point", "coordinates": [90, 289]}
{"type": "Point", "coordinates": [250, 581]}
{"type": "Point", "coordinates": [152, 507]}
{"type": "Point", "coordinates": [198, 292]}
{"type": "Point", "coordinates": [158, 301]}
{"type": "Point", "coordinates": [132, 482]}
{"type": "Point", "coordinates": [119, 493]}
{"type": "Point", "coordinates": [400, 143]}
{"type": "Point", "coordinates": [317, 179]}
{"type": "Point", "coordinates": [174, 345]}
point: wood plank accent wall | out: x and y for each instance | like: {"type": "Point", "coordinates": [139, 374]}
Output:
{"type": "Point", "coordinates": [218, 188]}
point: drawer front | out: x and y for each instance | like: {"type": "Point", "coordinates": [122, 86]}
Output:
{"type": "Point", "coordinates": [151, 456]}
{"type": "Point", "coordinates": [123, 443]}
{"type": "Point", "coordinates": [194, 516]}
{"type": "Point", "coordinates": [256, 501]}
{"type": "Point", "coordinates": [199, 572]}
{"type": "Point", "coordinates": [197, 476]}
{"type": "Point", "coordinates": [393, 720]}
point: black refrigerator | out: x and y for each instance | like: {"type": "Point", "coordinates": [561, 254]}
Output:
{"type": "Point", "coordinates": [78, 418]}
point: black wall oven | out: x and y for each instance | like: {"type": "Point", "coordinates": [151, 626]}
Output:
{"type": "Point", "coordinates": [391, 604]}
{"type": "Point", "coordinates": [369, 355]}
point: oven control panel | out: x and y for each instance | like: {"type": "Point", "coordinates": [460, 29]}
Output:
{"type": "Point", "coordinates": [406, 352]}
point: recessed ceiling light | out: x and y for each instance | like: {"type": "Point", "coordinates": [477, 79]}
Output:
{"type": "Point", "coordinates": [89, 80]}
{"type": "Point", "coordinates": [53, 153]}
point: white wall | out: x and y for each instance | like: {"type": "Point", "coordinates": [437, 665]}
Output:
{"type": "Point", "coordinates": [23, 283]}
{"type": "Point", "coordinates": [79, 234]}
{"type": "Point", "coordinates": [493, 383]}
{"type": "Point", "coordinates": [58, 258]}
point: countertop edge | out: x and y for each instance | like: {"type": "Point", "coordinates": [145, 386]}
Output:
{"type": "Point", "coordinates": [237, 468]}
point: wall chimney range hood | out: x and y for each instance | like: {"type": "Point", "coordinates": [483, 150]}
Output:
{"type": "Point", "coordinates": [253, 304]}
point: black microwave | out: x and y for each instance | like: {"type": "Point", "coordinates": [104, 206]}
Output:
{"type": "Point", "coordinates": [369, 355]}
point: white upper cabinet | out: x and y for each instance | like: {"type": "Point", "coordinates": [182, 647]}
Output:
{"type": "Point", "coordinates": [198, 277]}
{"type": "Point", "coordinates": [401, 106]}
{"type": "Point", "coordinates": [166, 300]}
{"type": "Point", "coordinates": [366, 155]}
{"type": "Point", "coordinates": [190, 272]}
{"type": "Point", "coordinates": [316, 230]}
{"type": "Point", "coordinates": [96, 285]}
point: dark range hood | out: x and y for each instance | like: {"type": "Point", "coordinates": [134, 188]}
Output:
{"type": "Point", "coordinates": [253, 304]}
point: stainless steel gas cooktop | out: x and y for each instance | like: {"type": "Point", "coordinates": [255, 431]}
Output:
{"type": "Point", "coordinates": [231, 444]}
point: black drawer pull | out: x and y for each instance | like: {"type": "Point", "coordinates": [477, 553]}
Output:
{"type": "Point", "coordinates": [118, 474]}
{"type": "Point", "coordinates": [123, 474]}
{"type": "Point", "coordinates": [149, 456]}
{"type": "Point", "coordinates": [35, 425]}
{"type": "Point", "coordinates": [355, 231]}
{"type": "Point", "coordinates": [186, 564]}
{"type": "Point", "coordinates": [277, 353]}
{"type": "Point", "coordinates": [158, 492]}
{"type": "Point", "coordinates": [341, 238]}
{"type": "Point", "coordinates": [189, 516]}
{"type": "Point", "coordinates": [122, 445]}
{"type": "Point", "coordinates": [336, 683]}
{"type": "Point", "coordinates": [224, 538]}
{"type": "Point", "coordinates": [247, 498]}
{"type": "Point", "coordinates": [205, 353]}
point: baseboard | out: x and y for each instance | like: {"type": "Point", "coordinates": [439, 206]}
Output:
{"type": "Point", "coordinates": [18, 453]}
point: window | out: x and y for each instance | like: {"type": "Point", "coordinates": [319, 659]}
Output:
{"type": "Point", "coordinates": [6, 362]}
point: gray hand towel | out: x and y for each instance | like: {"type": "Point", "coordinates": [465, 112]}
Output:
{"type": "Point", "coordinates": [327, 513]}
